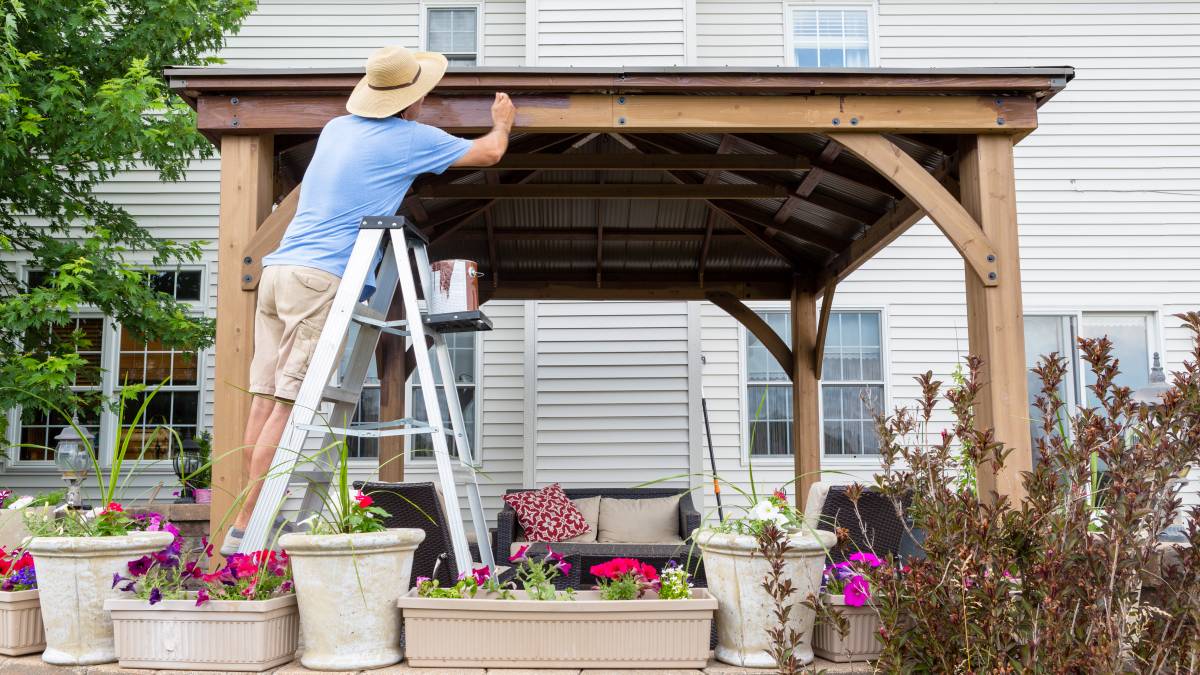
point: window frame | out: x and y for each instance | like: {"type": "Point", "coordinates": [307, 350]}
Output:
{"type": "Point", "coordinates": [852, 461]}
{"type": "Point", "coordinates": [789, 28]}
{"type": "Point", "coordinates": [477, 435]}
{"type": "Point", "coordinates": [423, 22]}
{"type": "Point", "coordinates": [109, 363]}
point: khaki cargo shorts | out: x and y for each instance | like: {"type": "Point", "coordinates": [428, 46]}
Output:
{"type": "Point", "coordinates": [293, 302]}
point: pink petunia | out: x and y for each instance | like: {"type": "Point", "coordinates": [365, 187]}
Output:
{"type": "Point", "coordinates": [869, 558]}
{"type": "Point", "coordinates": [858, 591]}
{"type": "Point", "coordinates": [519, 555]}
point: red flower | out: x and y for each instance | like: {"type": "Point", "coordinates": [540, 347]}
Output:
{"type": "Point", "coordinates": [26, 560]}
{"type": "Point", "coordinates": [114, 507]}
{"type": "Point", "coordinates": [780, 494]}
{"type": "Point", "coordinates": [363, 500]}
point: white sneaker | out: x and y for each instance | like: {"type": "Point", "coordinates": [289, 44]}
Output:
{"type": "Point", "coordinates": [233, 539]}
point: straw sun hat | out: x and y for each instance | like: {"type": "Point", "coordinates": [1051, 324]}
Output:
{"type": "Point", "coordinates": [396, 78]}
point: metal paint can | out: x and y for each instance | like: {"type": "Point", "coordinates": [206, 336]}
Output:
{"type": "Point", "coordinates": [455, 287]}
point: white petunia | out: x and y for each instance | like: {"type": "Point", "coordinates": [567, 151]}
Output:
{"type": "Point", "coordinates": [767, 511]}
{"type": "Point", "coordinates": [21, 503]}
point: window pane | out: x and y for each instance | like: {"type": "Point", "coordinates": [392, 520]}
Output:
{"type": "Point", "coordinates": [367, 411]}
{"type": "Point", "coordinates": [38, 429]}
{"type": "Point", "coordinates": [453, 30]}
{"type": "Point", "coordinates": [848, 412]}
{"type": "Point", "coordinates": [761, 366]}
{"type": "Point", "coordinates": [1045, 335]}
{"type": "Point", "coordinates": [1129, 334]}
{"type": "Point", "coordinates": [422, 445]}
{"type": "Point", "coordinates": [168, 414]}
{"type": "Point", "coordinates": [831, 38]}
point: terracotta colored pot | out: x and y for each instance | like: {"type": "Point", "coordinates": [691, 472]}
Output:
{"type": "Point", "coordinates": [735, 572]}
{"type": "Point", "coordinates": [21, 629]}
{"type": "Point", "coordinates": [347, 586]}
{"type": "Point", "coordinates": [583, 633]}
{"type": "Point", "coordinates": [74, 579]}
{"type": "Point", "coordinates": [861, 642]}
{"type": "Point", "coordinates": [203, 495]}
{"type": "Point", "coordinates": [178, 635]}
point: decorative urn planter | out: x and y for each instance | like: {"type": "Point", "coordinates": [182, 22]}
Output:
{"type": "Point", "coordinates": [861, 642]}
{"type": "Point", "coordinates": [21, 629]}
{"type": "Point", "coordinates": [486, 632]}
{"type": "Point", "coordinates": [347, 586]}
{"type": "Point", "coordinates": [74, 579]}
{"type": "Point", "coordinates": [178, 635]}
{"type": "Point", "coordinates": [735, 572]}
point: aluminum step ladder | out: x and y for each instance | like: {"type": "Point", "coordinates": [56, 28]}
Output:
{"type": "Point", "coordinates": [358, 325]}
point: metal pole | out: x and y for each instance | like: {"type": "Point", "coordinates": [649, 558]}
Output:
{"type": "Point", "coordinates": [712, 460]}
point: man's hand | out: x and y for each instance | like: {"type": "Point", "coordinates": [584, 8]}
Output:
{"type": "Point", "coordinates": [488, 150]}
{"type": "Point", "coordinates": [503, 112]}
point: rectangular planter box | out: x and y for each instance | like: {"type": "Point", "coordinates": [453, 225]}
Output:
{"type": "Point", "coordinates": [252, 635]}
{"type": "Point", "coordinates": [860, 644]}
{"type": "Point", "coordinates": [584, 633]}
{"type": "Point", "coordinates": [21, 630]}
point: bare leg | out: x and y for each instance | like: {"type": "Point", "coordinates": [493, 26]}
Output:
{"type": "Point", "coordinates": [261, 456]}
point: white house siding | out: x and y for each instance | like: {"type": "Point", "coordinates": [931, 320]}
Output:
{"type": "Point", "coordinates": [1107, 187]}
{"type": "Point", "coordinates": [610, 32]}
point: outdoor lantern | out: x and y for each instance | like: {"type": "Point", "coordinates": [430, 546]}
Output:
{"type": "Point", "coordinates": [72, 456]}
{"type": "Point", "coordinates": [186, 463]}
{"type": "Point", "coordinates": [1153, 392]}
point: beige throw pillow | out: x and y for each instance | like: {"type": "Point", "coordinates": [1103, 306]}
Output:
{"type": "Point", "coordinates": [639, 521]}
{"type": "Point", "coordinates": [590, 508]}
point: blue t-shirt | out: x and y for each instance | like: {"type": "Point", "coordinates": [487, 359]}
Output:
{"type": "Point", "coordinates": [362, 167]}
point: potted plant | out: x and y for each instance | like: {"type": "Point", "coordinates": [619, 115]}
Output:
{"type": "Point", "coordinates": [20, 614]}
{"type": "Point", "coordinates": [78, 550]}
{"type": "Point", "coordinates": [636, 618]}
{"type": "Point", "coordinates": [250, 596]}
{"type": "Point", "coordinates": [13, 532]}
{"type": "Point", "coordinates": [738, 559]}
{"type": "Point", "coordinates": [349, 572]}
{"type": "Point", "coordinates": [201, 481]}
{"type": "Point", "coordinates": [847, 590]}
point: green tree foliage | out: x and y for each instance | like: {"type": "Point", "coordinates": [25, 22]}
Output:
{"type": "Point", "coordinates": [82, 99]}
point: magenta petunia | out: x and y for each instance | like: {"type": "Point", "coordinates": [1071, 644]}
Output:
{"type": "Point", "coordinates": [201, 597]}
{"type": "Point", "coordinates": [519, 555]}
{"type": "Point", "coordinates": [858, 591]}
{"type": "Point", "coordinates": [869, 558]}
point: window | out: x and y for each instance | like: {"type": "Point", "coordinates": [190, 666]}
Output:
{"type": "Point", "coordinates": [831, 37]}
{"type": "Point", "coordinates": [176, 406]}
{"type": "Point", "coordinates": [454, 31]}
{"type": "Point", "coordinates": [462, 347]}
{"type": "Point", "coordinates": [852, 390]}
{"type": "Point", "coordinates": [1132, 335]}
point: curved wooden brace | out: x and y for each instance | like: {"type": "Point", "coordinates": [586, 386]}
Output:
{"type": "Point", "coordinates": [755, 324]}
{"type": "Point", "coordinates": [944, 210]}
{"type": "Point", "coordinates": [823, 325]}
{"type": "Point", "coordinates": [266, 238]}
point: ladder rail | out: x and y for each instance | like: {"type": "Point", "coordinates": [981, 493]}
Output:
{"type": "Point", "coordinates": [321, 367]}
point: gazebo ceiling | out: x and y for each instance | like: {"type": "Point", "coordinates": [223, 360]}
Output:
{"type": "Point", "coordinates": [621, 181]}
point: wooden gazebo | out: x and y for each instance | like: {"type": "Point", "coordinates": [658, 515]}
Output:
{"type": "Point", "coordinates": [689, 183]}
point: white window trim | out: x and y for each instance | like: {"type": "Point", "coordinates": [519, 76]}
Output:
{"type": "Point", "coordinates": [789, 41]}
{"type": "Point", "coordinates": [110, 354]}
{"type": "Point", "coordinates": [476, 441]}
{"type": "Point", "coordinates": [743, 398]}
{"type": "Point", "coordinates": [423, 21]}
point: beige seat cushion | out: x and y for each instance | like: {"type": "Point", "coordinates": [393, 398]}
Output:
{"type": "Point", "coordinates": [590, 508]}
{"type": "Point", "coordinates": [639, 521]}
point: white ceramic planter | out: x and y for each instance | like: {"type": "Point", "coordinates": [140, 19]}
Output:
{"type": "Point", "coordinates": [21, 629]}
{"type": "Point", "coordinates": [735, 573]}
{"type": "Point", "coordinates": [229, 635]}
{"type": "Point", "coordinates": [861, 642]}
{"type": "Point", "coordinates": [347, 586]}
{"type": "Point", "coordinates": [74, 579]}
{"type": "Point", "coordinates": [586, 632]}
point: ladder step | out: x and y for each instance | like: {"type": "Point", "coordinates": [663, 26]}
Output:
{"type": "Point", "coordinates": [370, 317]}
{"type": "Point", "coordinates": [341, 395]}
{"type": "Point", "coordinates": [459, 322]}
{"type": "Point", "coordinates": [405, 426]}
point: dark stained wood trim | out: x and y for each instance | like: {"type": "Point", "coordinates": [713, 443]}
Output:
{"type": "Point", "coordinates": [627, 162]}
{"type": "Point", "coordinates": [757, 327]}
{"type": "Point", "coordinates": [609, 191]}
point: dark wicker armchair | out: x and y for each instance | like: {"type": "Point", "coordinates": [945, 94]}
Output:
{"type": "Point", "coordinates": [508, 531]}
{"type": "Point", "coordinates": [873, 525]}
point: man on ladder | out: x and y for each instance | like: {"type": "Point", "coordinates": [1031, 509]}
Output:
{"type": "Point", "coordinates": [363, 166]}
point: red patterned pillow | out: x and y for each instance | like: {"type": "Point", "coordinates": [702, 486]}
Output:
{"type": "Point", "coordinates": [547, 514]}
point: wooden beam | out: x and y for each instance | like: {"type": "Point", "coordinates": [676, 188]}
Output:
{"type": "Point", "coordinates": [811, 234]}
{"type": "Point", "coordinates": [723, 148]}
{"type": "Point", "coordinates": [392, 366]}
{"type": "Point", "coordinates": [628, 162]}
{"type": "Point", "coordinates": [608, 191]}
{"type": "Point", "coordinates": [757, 327]}
{"type": "Point", "coordinates": [246, 192]}
{"type": "Point", "coordinates": [806, 391]}
{"type": "Point", "coordinates": [647, 234]}
{"type": "Point", "coordinates": [673, 287]}
{"type": "Point", "coordinates": [266, 238]}
{"type": "Point", "coordinates": [823, 326]}
{"type": "Point", "coordinates": [860, 179]}
{"type": "Point", "coordinates": [944, 210]}
{"type": "Point", "coordinates": [493, 257]}
{"type": "Point", "coordinates": [634, 113]}
{"type": "Point", "coordinates": [995, 318]}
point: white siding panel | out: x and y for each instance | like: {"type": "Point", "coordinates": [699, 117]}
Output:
{"type": "Point", "coordinates": [739, 33]}
{"type": "Point", "coordinates": [611, 33]}
{"type": "Point", "coordinates": [611, 417]}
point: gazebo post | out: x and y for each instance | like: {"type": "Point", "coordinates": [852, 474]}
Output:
{"type": "Point", "coordinates": [806, 419]}
{"type": "Point", "coordinates": [995, 322]}
{"type": "Point", "coordinates": [393, 373]}
{"type": "Point", "coordinates": [246, 194]}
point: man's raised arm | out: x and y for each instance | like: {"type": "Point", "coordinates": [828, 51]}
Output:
{"type": "Point", "coordinates": [488, 149]}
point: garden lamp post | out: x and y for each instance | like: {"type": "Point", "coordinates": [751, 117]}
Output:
{"type": "Point", "coordinates": [1152, 394]}
{"type": "Point", "coordinates": [72, 456]}
{"type": "Point", "coordinates": [186, 463]}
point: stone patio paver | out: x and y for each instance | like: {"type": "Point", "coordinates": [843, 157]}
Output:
{"type": "Point", "coordinates": [647, 671]}
{"type": "Point", "coordinates": [531, 671]}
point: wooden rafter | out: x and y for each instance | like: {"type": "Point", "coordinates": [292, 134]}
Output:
{"type": "Point", "coordinates": [711, 176]}
{"type": "Point", "coordinates": [944, 210]}
{"type": "Point", "coordinates": [757, 327]}
{"type": "Point", "coordinates": [599, 242]}
{"type": "Point", "coordinates": [623, 191]}
{"type": "Point", "coordinates": [622, 234]}
{"type": "Point", "coordinates": [859, 179]}
{"type": "Point", "coordinates": [266, 238]}
{"type": "Point", "coordinates": [493, 257]}
{"type": "Point", "coordinates": [814, 236]}
{"type": "Point", "coordinates": [658, 162]}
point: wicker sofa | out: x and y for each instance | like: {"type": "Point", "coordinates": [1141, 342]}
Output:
{"type": "Point", "coordinates": [508, 531]}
